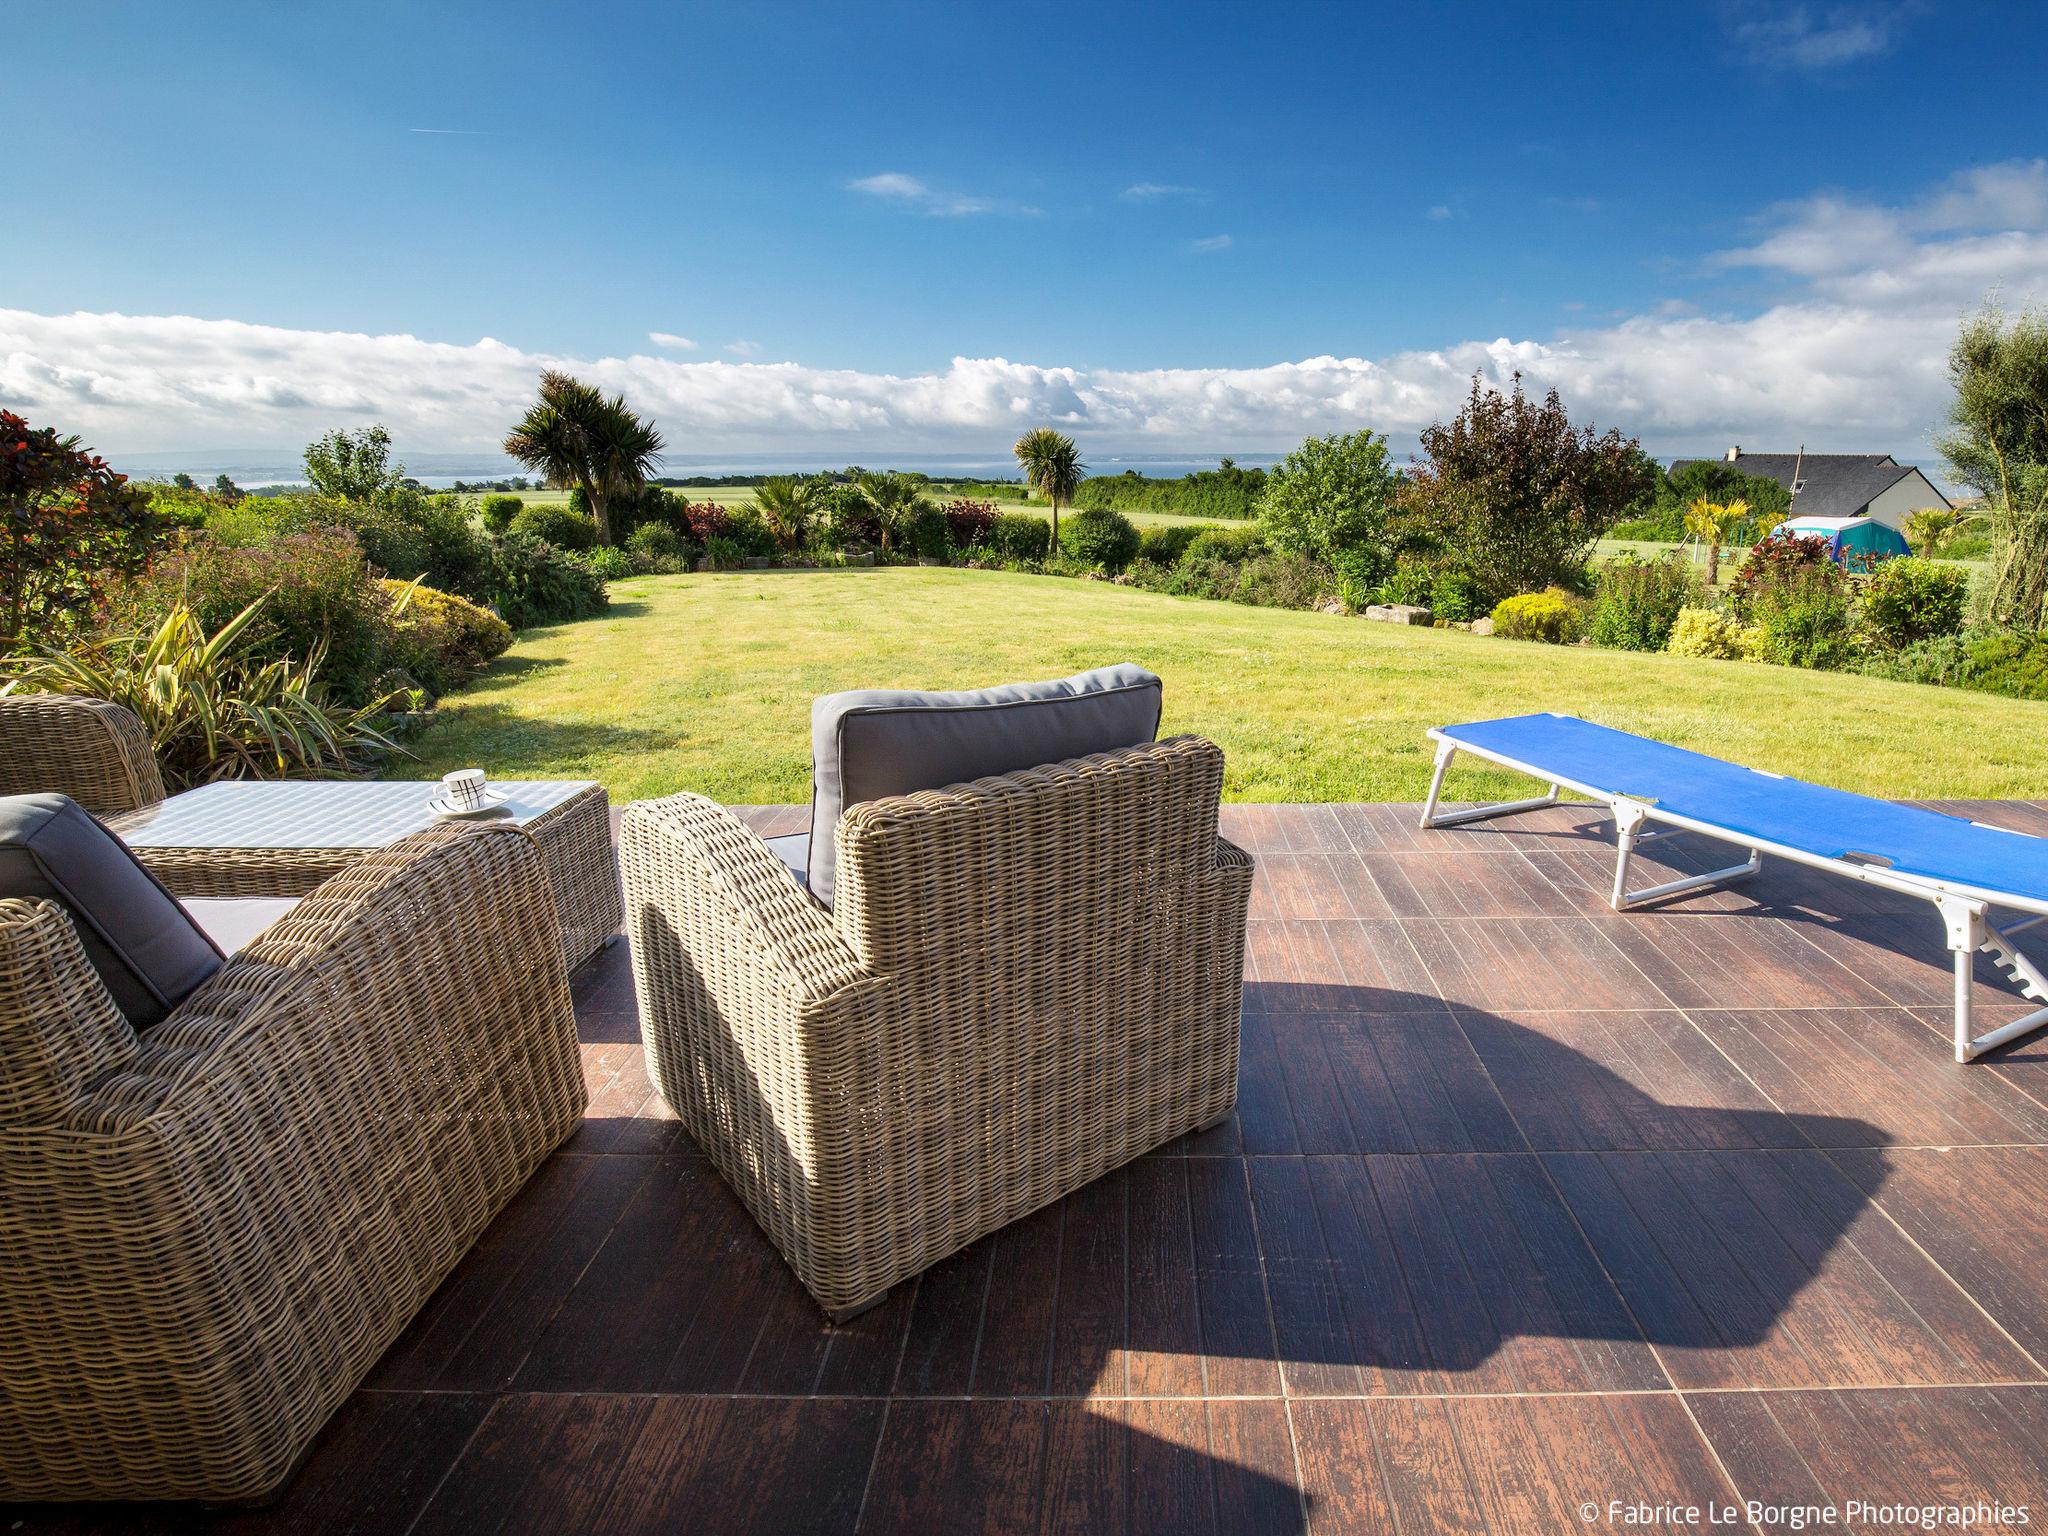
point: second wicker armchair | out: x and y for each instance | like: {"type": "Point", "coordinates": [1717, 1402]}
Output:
{"type": "Point", "coordinates": [1022, 982]}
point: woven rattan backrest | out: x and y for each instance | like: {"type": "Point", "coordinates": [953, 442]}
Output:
{"type": "Point", "coordinates": [995, 872]}
{"type": "Point", "coordinates": [92, 750]}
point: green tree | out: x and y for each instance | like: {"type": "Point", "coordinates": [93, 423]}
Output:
{"type": "Point", "coordinates": [577, 437]}
{"type": "Point", "coordinates": [1330, 499]}
{"type": "Point", "coordinates": [1998, 443]}
{"type": "Point", "coordinates": [226, 489]}
{"type": "Point", "coordinates": [184, 482]}
{"type": "Point", "coordinates": [354, 466]}
{"type": "Point", "coordinates": [68, 523]}
{"type": "Point", "coordinates": [894, 502]}
{"type": "Point", "coordinates": [1052, 465]}
{"type": "Point", "coordinates": [1520, 494]}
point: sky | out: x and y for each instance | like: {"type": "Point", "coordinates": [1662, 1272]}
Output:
{"type": "Point", "coordinates": [875, 229]}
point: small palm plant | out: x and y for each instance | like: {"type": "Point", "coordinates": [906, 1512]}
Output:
{"type": "Point", "coordinates": [895, 500]}
{"type": "Point", "coordinates": [1052, 464]}
{"type": "Point", "coordinates": [1711, 522]}
{"type": "Point", "coordinates": [211, 711]}
{"type": "Point", "coordinates": [1930, 528]}
{"type": "Point", "coordinates": [787, 505]}
{"type": "Point", "coordinates": [577, 437]}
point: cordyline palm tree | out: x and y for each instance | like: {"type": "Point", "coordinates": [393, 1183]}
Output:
{"type": "Point", "coordinates": [574, 436]}
{"type": "Point", "coordinates": [1929, 528]}
{"type": "Point", "coordinates": [1052, 464]}
{"type": "Point", "coordinates": [1711, 522]}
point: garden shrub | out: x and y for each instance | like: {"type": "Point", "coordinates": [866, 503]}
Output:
{"type": "Point", "coordinates": [1771, 562]}
{"type": "Point", "coordinates": [320, 596]}
{"type": "Point", "coordinates": [722, 554]}
{"type": "Point", "coordinates": [656, 549]}
{"type": "Point", "coordinates": [558, 525]}
{"type": "Point", "coordinates": [1019, 536]}
{"type": "Point", "coordinates": [1409, 581]}
{"type": "Point", "coordinates": [1232, 545]}
{"type": "Point", "coordinates": [1227, 492]}
{"type": "Point", "coordinates": [746, 528]}
{"type": "Point", "coordinates": [1802, 617]}
{"type": "Point", "coordinates": [1457, 596]}
{"type": "Point", "coordinates": [411, 534]}
{"type": "Point", "coordinates": [1281, 581]}
{"type": "Point", "coordinates": [968, 522]}
{"type": "Point", "coordinates": [1908, 600]}
{"type": "Point", "coordinates": [2003, 661]}
{"type": "Point", "coordinates": [704, 521]}
{"type": "Point", "coordinates": [1707, 632]}
{"type": "Point", "coordinates": [1165, 543]}
{"type": "Point", "coordinates": [608, 562]}
{"type": "Point", "coordinates": [923, 534]}
{"type": "Point", "coordinates": [536, 582]}
{"type": "Point", "coordinates": [439, 639]}
{"type": "Point", "coordinates": [498, 510]}
{"type": "Point", "coordinates": [845, 520]}
{"type": "Point", "coordinates": [1330, 495]}
{"type": "Point", "coordinates": [1549, 616]}
{"type": "Point", "coordinates": [1104, 539]}
{"type": "Point", "coordinates": [1637, 601]}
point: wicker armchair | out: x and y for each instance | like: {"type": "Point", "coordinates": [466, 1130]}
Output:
{"type": "Point", "coordinates": [90, 749]}
{"type": "Point", "coordinates": [1024, 982]}
{"type": "Point", "coordinates": [209, 1232]}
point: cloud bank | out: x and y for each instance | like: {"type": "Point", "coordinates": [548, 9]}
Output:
{"type": "Point", "coordinates": [1850, 355]}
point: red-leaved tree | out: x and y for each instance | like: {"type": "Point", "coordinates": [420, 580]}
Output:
{"type": "Point", "coordinates": [68, 524]}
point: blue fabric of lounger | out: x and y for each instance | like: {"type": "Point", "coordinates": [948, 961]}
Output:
{"type": "Point", "coordinates": [874, 742]}
{"type": "Point", "coordinates": [149, 953]}
{"type": "Point", "coordinates": [1747, 802]}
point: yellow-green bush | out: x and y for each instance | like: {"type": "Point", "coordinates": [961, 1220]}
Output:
{"type": "Point", "coordinates": [1550, 616]}
{"type": "Point", "coordinates": [440, 639]}
{"type": "Point", "coordinates": [1710, 633]}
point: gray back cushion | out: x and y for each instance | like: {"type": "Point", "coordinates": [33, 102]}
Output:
{"type": "Point", "coordinates": [149, 953]}
{"type": "Point", "coordinates": [876, 742]}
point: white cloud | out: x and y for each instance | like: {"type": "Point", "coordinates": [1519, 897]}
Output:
{"type": "Point", "coordinates": [1851, 356]}
{"type": "Point", "coordinates": [743, 348]}
{"type": "Point", "coordinates": [1160, 191]}
{"type": "Point", "coordinates": [672, 341]}
{"type": "Point", "coordinates": [1438, 211]}
{"type": "Point", "coordinates": [1210, 243]}
{"type": "Point", "coordinates": [1798, 37]}
{"type": "Point", "coordinates": [919, 196]}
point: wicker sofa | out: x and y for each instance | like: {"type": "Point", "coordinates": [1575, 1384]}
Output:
{"type": "Point", "coordinates": [209, 1231]}
{"type": "Point", "coordinates": [1022, 983]}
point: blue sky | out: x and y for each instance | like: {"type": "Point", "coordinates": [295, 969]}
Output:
{"type": "Point", "coordinates": [1087, 192]}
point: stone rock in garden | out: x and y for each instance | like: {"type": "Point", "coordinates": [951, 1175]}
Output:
{"type": "Point", "coordinates": [1482, 626]}
{"type": "Point", "coordinates": [1399, 613]}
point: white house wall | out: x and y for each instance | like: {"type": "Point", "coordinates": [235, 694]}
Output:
{"type": "Point", "coordinates": [1901, 499]}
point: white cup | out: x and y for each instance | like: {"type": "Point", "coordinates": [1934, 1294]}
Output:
{"type": "Point", "coordinates": [464, 788]}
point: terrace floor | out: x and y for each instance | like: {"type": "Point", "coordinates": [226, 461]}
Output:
{"type": "Point", "coordinates": [1526, 1207]}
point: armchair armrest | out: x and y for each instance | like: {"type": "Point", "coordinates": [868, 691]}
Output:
{"type": "Point", "coordinates": [59, 1027]}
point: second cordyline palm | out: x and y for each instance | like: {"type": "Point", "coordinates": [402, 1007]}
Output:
{"type": "Point", "coordinates": [575, 436]}
{"type": "Point", "coordinates": [1052, 464]}
{"type": "Point", "coordinates": [1711, 522]}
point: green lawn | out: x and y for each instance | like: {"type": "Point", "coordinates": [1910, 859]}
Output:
{"type": "Point", "coordinates": [705, 683]}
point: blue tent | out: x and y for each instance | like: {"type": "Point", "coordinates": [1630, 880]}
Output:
{"type": "Point", "coordinates": [1858, 542]}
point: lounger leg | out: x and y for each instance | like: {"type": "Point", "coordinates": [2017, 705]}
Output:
{"type": "Point", "coordinates": [1628, 831]}
{"type": "Point", "coordinates": [1432, 817]}
{"type": "Point", "coordinates": [1969, 930]}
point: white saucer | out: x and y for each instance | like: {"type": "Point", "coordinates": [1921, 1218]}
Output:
{"type": "Point", "coordinates": [494, 800]}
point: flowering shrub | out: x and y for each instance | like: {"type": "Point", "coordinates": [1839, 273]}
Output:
{"type": "Point", "coordinates": [1771, 562]}
{"type": "Point", "coordinates": [67, 523]}
{"type": "Point", "coordinates": [1549, 616]}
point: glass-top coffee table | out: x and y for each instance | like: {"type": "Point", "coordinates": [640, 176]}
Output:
{"type": "Point", "coordinates": [247, 838]}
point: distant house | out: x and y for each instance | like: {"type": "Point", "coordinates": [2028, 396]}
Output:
{"type": "Point", "coordinates": [1871, 485]}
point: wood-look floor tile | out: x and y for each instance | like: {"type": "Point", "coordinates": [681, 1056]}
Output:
{"type": "Point", "coordinates": [1930, 1448]}
{"type": "Point", "coordinates": [1872, 1077]}
{"type": "Point", "coordinates": [1733, 960]}
{"type": "Point", "coordinates": [1535, 963]}
{"type": "Point", "coordinates": [1619, 1081]}
{"type": "Point", "coordinates": [1754, 1269]}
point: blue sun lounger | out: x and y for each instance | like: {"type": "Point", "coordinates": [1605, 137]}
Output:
{"type": "Point", "coordinates": [1964, 868]}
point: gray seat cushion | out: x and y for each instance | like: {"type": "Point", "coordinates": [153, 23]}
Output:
{"type": "Point", "coordinates": [872, 743]}
{"type": "Point", "coordinates": [795, 852]}
{"type": "Point", "coordinates": [149, 953]}
{"type": "Point", "coordinates": [235, 922]}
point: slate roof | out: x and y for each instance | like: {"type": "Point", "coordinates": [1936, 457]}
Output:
{"type": "Point", "coordinates": [1836, 484]}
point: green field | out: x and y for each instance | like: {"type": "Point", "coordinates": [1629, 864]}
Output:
{"type": "Point", "coordinates": [705, 683]}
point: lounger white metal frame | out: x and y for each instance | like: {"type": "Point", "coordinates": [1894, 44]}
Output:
{"type": "Point", "coordinates": [1965, 910]}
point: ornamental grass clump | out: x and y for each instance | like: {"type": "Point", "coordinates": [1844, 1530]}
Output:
{"type": "Point", "coordinates": [211, 709]}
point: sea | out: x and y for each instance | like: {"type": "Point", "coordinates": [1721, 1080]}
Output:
{"type": "Point", "coordinates": [258, 467]}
